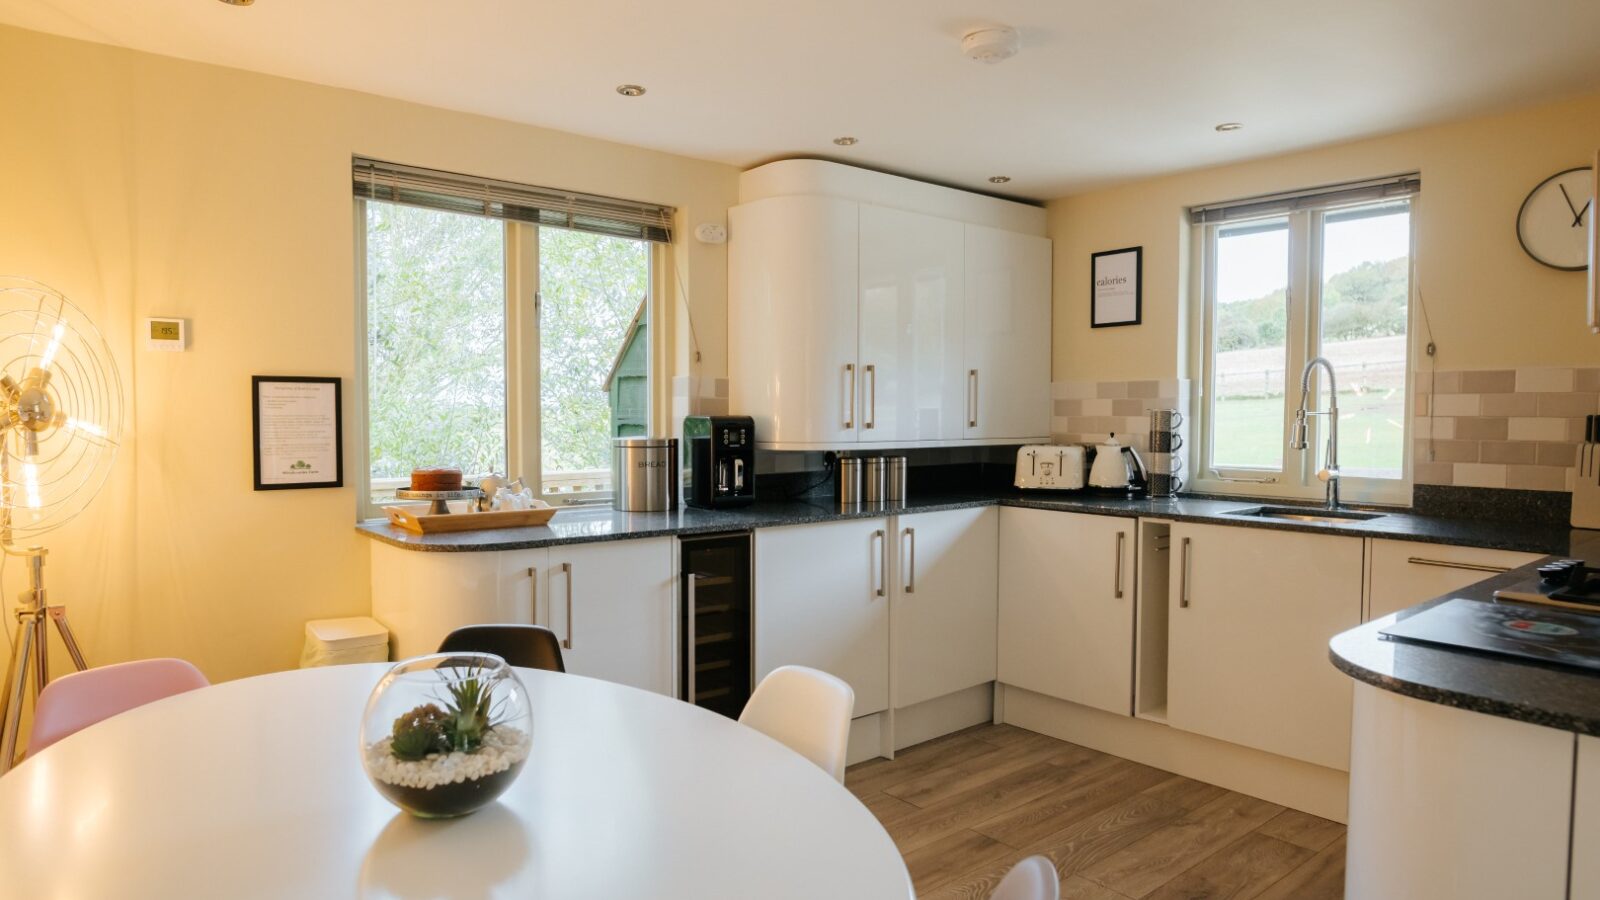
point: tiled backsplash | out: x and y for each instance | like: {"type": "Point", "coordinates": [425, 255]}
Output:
{"type": "Point", "coordinates": [1502, 428]}
{"type": "Point", "coordinates": [1086, 412]}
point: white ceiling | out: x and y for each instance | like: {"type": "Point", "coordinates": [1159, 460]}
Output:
{"type": "Point", "coordinates": [1103, 89]}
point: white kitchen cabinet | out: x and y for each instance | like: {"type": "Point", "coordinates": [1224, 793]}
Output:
{"type": "Point", "coordinates": [1405, 573]}
{"type": "Point", "coordinates": [1251, 612]}
{"type": "Point", "coordinates": [611, 604]}
{"type": "Point", "coordinates": [1067, 606]}
{"type": "Point", "coordinates": [421, 596]}
{"type": "Point", "coordinates": [822, 600]}
{"type": "Point", "coordinates": [1007, 332]}
{"type": "Point", "coordinates": [1586, 821]}
{"type": "Point", "coordinates": [910, 350]}
{"type": "Point", "coordinates": [792, 319]}
{"type": "Point", "coordinates": [944, 602]}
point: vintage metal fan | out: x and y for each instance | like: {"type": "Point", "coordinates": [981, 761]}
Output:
{"type": "Point", "coordinates": [60, 422]}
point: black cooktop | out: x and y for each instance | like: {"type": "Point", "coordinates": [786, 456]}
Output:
{"type": "Point", "coordinates": [1557, 635]}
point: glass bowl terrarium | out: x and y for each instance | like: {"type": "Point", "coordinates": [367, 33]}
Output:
{"type": "Point", "coordinates": [446, 734]}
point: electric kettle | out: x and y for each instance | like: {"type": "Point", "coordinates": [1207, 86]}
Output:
{"type": "Point", "coordinates": [1116, 467]}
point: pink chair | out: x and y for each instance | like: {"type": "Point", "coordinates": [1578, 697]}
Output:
{"type": "Point", "coordinates": [73, 702]}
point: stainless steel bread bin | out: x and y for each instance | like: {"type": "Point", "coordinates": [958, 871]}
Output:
{"type": "Point", "coordinates": [644, 474]}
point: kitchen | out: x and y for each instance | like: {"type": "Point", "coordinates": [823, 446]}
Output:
{"type": "Point", "coordinates": [1164, 617]}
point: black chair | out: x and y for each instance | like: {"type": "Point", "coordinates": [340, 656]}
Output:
{"type": "Point", "coordinates": [525, 646]}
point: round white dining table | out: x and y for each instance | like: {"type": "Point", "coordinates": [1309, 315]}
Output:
{"type": "Point", "coordinates": [254, 788]}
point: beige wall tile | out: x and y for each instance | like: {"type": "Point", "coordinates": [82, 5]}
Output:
{"type": "Point", "coordinates": [1480, 475]}
{"type": "Point", "coordinates": [1433, 473]}
{"type": "Point", "coordinates": [1097, 407]}
{"type": "Point", "coordinates": [1144, 389]}
{"type": "Point", "coordinates": [1586, 380]}
{"type": "Point", "coordinates": [1538, 429]}
{"type": "Point", "coordinates": [1436, 427]}
{"type": "Point", "coordinates": [1489, 381]}
{"type": "Point", "coordinates": [1544, 380]}
{"type": "Point", "coordinates": [1509, 405]}
{"type": "Point", "coordinates": [1456, 404]}
{"type": "Point", "coordinates": [1127, 407]}
{"type": "Point", "coordinates": [1111, 390]}
{"type": "Point", "coordinates": [1536, 478]}
{"type": "Point", "coordinates": [1481, 428]}
{"type": "Point", "coordinates": [1448, 451]}
{"type": "Point", "coordinates": [1557, 454]}
{"type": "Point", "coordinates": [1420, 407]}
{"type": "Point", "coordinates": [1068, 407]}
{"type": "Point", "coordinates": [1568, 405]}
{"type": "Point", "coordinates": [1443, 382]}
{"type": "Point", "coordinates": [1074, 390]}
{"type": "Point", "coordinates": [1515, 452]}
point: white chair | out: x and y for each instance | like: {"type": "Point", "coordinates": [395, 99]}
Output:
{"type": "Point", "coordinates": [1034, 878]}
{"type": "Point", "coordinates": [806, 710]}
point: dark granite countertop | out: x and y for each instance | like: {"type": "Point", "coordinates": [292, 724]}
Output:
{"type": "Point", "coordinates": [603, 524]}
{"type": "Point", "coordinates": [1543, 694]}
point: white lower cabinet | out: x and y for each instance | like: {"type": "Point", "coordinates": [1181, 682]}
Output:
{"type": "Point", "coordinates": [1405, 573]}
{"type": "Point", "coordinates": [1250, 613]}
{"type": "Point", "coordinates": [822, 600]}
{"type": "Point", "coordinates": [944, 602]}
{"type": "Point", "coordinates": [1067, 606]}
{"type": "Point", "coordinates": [1586, 821]}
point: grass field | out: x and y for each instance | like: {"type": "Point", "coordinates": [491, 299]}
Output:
{"type": "Point", "coordinates": [1252, 432]}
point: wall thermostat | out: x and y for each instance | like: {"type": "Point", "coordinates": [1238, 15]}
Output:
{"type": "Point", "coordinates": [166, 334]}
{"type": "Point", "coordinates": [711, 233]}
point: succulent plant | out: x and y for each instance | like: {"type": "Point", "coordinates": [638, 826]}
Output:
{"type": "Point", "coordinates": [421, 731]}
{"type": "Point", "coordinates": [469, 713]}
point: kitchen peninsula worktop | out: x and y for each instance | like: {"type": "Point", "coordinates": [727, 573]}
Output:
{"type": "Point", "coordinates": [572, 526]}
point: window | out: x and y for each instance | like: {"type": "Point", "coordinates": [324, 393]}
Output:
{"type": "Point", "coordinates": [1284, 280]}
{"type": "Point", "coordinates": [498, 344]}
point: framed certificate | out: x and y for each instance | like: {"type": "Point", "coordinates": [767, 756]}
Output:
{"type": "Point", "coordinates": [1115, 295]}
{"type": "Point", "coordinates": [298, 439]}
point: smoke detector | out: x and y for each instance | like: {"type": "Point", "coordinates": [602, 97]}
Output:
{"type": "Point", "coordinates": [991, 45]}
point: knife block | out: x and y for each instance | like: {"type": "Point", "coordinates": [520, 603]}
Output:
{"type": "Point", "coordinates": [1586, 487]}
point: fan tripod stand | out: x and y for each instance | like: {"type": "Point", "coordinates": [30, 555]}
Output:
{"type": "Point", "coordinates": [30, 660]}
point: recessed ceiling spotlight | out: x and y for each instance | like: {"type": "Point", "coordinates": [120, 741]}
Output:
{"type": "Point", "coordinates": [238, 2]}
{"type": "Point", "coordinates": [992, 44]}
{"type": "Point", "coordinates": [626, 90]}
{"type": "Point", "coordinates": [999, 179]}
{"type": "Point", "coordinates": [1230, 126]}
{"type": "Point", "coordinates": [846, 141]}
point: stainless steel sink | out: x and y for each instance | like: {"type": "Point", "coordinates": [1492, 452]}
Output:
{"type": "Point", "coordinates": [1305, 514]}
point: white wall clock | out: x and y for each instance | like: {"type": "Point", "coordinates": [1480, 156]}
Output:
{"type": "Point", "coordinates": [1553, 224]}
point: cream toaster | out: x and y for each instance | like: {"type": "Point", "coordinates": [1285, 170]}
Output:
{"type": "Point", "coordinates": [1051, 467]}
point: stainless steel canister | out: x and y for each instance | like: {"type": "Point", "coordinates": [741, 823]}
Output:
{"type": "Point", "coordinates": [849, 481]}
{"type": "Point", "coordinates": [896, 488]}
{"type": "Point", "coordinates": [644, 474]}
{"type": "Point", "coordinates": [874, 479]}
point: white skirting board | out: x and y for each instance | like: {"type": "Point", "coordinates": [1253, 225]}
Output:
{"type": "Point", "coordinates": [880, 734]}
{"type": "Point", "coordinates": [1276, 779]}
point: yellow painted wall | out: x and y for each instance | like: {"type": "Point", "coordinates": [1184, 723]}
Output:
{"type": "Point", "coordinates": [1490, 304]}
{"type": "Point", "coordinates": [141, 185]}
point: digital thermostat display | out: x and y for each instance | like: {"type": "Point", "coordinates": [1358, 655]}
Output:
{"type": "Point", "coordinates": [166, 334]}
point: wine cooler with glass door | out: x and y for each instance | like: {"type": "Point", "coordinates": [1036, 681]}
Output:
{"type": "Point", "coordinates": [716, 625]}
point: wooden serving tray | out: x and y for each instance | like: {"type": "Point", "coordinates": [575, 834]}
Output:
{"type": "Point", "coordinates": [425, 524]}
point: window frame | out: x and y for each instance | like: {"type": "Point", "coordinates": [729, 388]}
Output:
{"type": "Point", "coordinates": [1297, 477]}
{"type": "Point", "coordinates": [523, 302]}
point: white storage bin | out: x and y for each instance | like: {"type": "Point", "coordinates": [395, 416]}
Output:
{"type": "Point", "coordinates": [333, 642]}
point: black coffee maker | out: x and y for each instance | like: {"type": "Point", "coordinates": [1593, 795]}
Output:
{"type": "Point", "coordinates": [721, 456]}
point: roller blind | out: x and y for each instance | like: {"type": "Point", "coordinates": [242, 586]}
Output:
{"type": "Point", "coordinates": [449, 191]}
{"type": "Point", "coordinates": [1392, 187]}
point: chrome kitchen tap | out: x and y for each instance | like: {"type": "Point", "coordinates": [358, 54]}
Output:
{"type": "Point", "coordinates": [1297, 435]}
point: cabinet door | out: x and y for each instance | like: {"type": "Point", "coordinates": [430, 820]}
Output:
{"type": "Point", "coordinates": [611, 604]}
{"type": "Point", "coordinates": [910, 327]}
{"type": "Point", "coordinates": [1007, 333]}
{"type": "Point", "coordinates": [792, 319]}
{"type": "Point", "coordinates": [1066, 606]}
{"type": "Point", "coordinates": [521, 576]}
{"type": "Point", "coordinates": [822, 600]}
{"type": "Point", "coordinates": [1251, 613]}
{"type": "Point", "coordinates": [1586, 821]}
{"type": "Point", "coordinates": [1405, 573]}
{"type": "Point", "coordinates": [944, 602]}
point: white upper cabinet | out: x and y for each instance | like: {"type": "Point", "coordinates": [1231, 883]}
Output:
{"type": "Point", "coordinates": [1007, 334]}
{"type": "Point", "coordinates": [866, 310]}
{"type": "Point", "coordinates": [910, 327]}
{"type": "Point", "coordinates": [792, 332]}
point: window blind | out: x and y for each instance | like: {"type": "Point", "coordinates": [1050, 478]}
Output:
{"type": "Point", "coordinates": [448, 191]}
{"type": "Point", "coordinates": [1390, 188]}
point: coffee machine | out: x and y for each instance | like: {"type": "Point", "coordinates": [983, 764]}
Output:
{"type": "Point", "coordinates": [721, 456]}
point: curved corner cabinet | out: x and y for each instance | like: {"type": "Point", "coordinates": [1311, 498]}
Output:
{"type": "Point", "coordinates": [867, 310]}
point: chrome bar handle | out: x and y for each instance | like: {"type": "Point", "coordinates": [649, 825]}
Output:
{"type": "Point", "coordinates": [883, 563]}
{"type": "Point", "coordinates": [689, 638]}
{"type": "Point", "coordinates": [567, 568]}
{"type": "Point", "coordinates": [1446, 564]}
{"type": "Point", "coordinates": [872, 396]}
{"type": "Point", "coordinates": [972, 398]}
{"type": "Point", "coordinates": [911, 577]}
{"type": "Point", "coordinates": [533, 598]}
{"type": "Point", "coordinates": [1183, 580]}
{"type": "Point", "coordinates": [849, 396]}
{"type": "Point", "coordinates": [1122, 537]}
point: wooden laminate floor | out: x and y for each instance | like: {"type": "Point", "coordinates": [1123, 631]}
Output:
{"type": "Point", "coordinates": [965, 807]}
